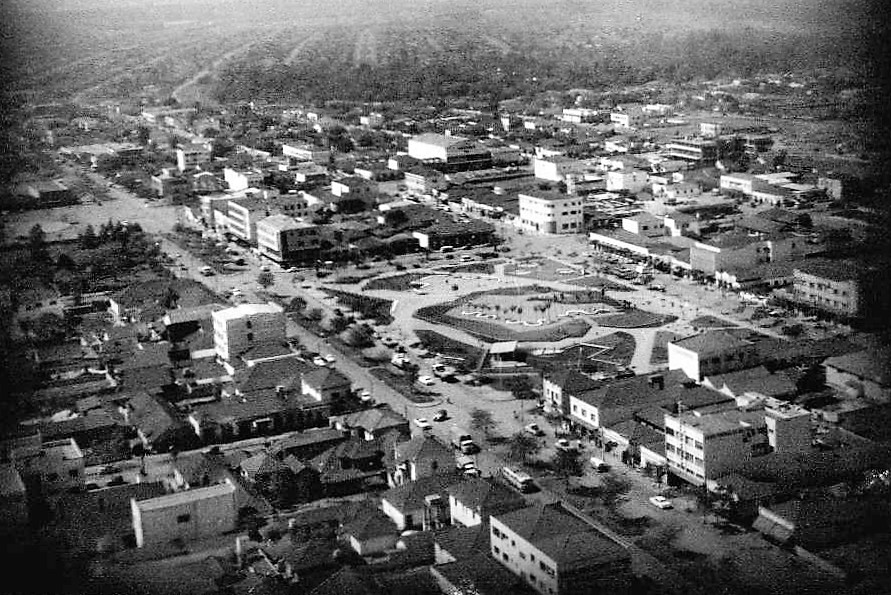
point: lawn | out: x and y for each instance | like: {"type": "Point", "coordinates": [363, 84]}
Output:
{"type": "Point", "coordinates": [403, 282]}
{"type": "Point", "coordinates": [482, 268]}
{"type": "Point", "coordinates": [660, 346]}
{"type": "Point", "coordinates": [369, 307]}
{"type": "Point", "coordinates": [467, 357]}
{"type": "Point", "coordinates": [592, 281]}
{"type": "Point", "coordinates": [604, 354]}
{"type": "Point", "coordinates": [543, 269]}
{"type": "Point", "coordinates": [635, 318]}
{"type": "Point", "coordinates": [710, 321]}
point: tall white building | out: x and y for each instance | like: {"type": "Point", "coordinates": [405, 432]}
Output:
{"type": "Point", "coordinates": [237, 329]}
{"type": "Point", "coordinates": [191, 156]}
{"type": "Point", "coordinates": [550, 212]}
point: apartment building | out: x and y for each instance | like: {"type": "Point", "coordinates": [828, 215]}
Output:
{"type": "Point", "coordinates": [833, 287]}
{"type": "Point", "coordinates": [631, 118]}
{"type": "Point", "coordinates": [713, 352]}
{"type": "Point", "coordinates": [698, 150]}
{"type": "Point", "coordinates": [549, 212]}
{"type": "Point", "coordinates": [554, 552]}
{"type": "Point", "coordinates": [456, 152]}
{"type": "Point", "coordinates": [319, 155]}
{"type": "Point", "coordinates": [284, 239]}
{"type": "Point", "coordinates": [629, 180]}
{"type": "Point", "coordinates": [242, 179]}
{"type": "Point", "coordinates": [189, 515]}
{"type": "Point", "coordinates": [242, 216]}
{"type": "Point", "coordinates": [241, 327]}
{"type": "Point", "coordinates": [702, 447]}
{"type": "Point", "coordinates": [192, 155]}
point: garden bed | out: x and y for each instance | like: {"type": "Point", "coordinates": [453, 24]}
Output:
{"type": "Point", "coordinates": [709, 321]}
{"type": "Point", "coordinates": [370, 307]}
{"type": "Point", "coordinates": [403, 282]}
{"type": "Point", "coordinates": [605, 354]}
{"type": "Point", "coordinates": [660, 346]}
{"type": "Point", "coordinates": [635, 318]}
{"type": "Point", "coordinates": [401, 384]}
{"type": "Point", "coordinates": [599, 282]}
{"type": "Point", "coordinates": [471, 356]}
{"type": "Point", "coordinates": [543, 269]}
{"type": "Point", "coordinates": [482, 268]}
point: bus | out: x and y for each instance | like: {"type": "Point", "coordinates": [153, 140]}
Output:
{"type": "Point", "coordinates": [517, 479]}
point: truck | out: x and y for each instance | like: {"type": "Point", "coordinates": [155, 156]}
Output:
{"type": "Point", "coordinates": [463, 441]}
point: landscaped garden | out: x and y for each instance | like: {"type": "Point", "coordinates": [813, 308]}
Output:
{"type": "Point", "coordinates": [593, 281]}
{"type": "Point", "coordinates": [543, 269]}
{"type": "Point", "coordinates": [370, 307]}
{"type": "Point", "coordinates": [403, 282]}
{"type": "Point", "coordinates": [605, 354]}
{"type": "Point", "coordinates": [463, 357]}
{"type": "Point", "coordinates": [709, 321]}
{"type": "Point", "coordinates": [660, 346]}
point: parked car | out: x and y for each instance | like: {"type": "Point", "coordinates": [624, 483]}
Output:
{"type": "Point", "coordinates": [661, 502]}
{"type": "Point", "coordinates": [534, 429]}
{"type": "Point", "coordinates": [564, 444]}
{"type": "Point", "coordinates": [422, 423]}
{"type": "Point", "coordinates": [441, 415]}
{"type": "Point", "coordinates": [319, 361]}
{"type": "Point", "coordinates": [599, 465]}
{"type": "Point", "coordinates": [330, 358]}
{"type": "Point", "coordinates": [365, 396]}
{"type": "Point", "coordinates": [425, 380]}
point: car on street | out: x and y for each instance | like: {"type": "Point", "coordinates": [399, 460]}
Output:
{"type": "Point", "coordinates": [657, 287]}
{"type": "Point", "coordinates": [365, 395]}
{"type": "Point", "coordinates": [265, 268]}
{"type": "Point", "coordinates": [564, 444]}
{"type": "Point", "coordinates": [441, 415]}
{"type": "Point", "coordinates": [422, 423]}
{"type": "Point", "coordinates": [330, 358]}
{"type": "Point", "coordinates": [319, 361]}
{"type": "Point", "coordinates": [425, 380]}
{"type": "Point", "coordinates": [534, 429]}
{"type": "Point", "coordinates": [661, 502]}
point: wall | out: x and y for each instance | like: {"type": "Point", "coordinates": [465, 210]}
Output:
{"type": "Point", "coordinates": [206, 517]}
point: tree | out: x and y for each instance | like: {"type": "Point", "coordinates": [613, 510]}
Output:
{"type": "Point", "coordinates": [37, 242]}
{"type": "Point", "coordinates": [521, 388]}
{"type": "Point", "coordinates": [411, 373]}
{"type": "Point", "coordinates": [297, 305]}
{"type": "Point", "coordinates": [339, 324]}
{"type": "Point", "coordinates": [170, 299]}
{"type": "Point", "coordinates": [360, 336]}
{"type": "Point", "coordinates": [88, 239]}
{"type": "Point", "coordinates": [265, 280]}
{"type": "Point", "coordinates": [567, 461]}
{"type": "Point", "coordinates": [522, 445]}
{"type": "Point", "coordinates": [482, 420]}
{"type": "Point", "coordinates": [315, 314]}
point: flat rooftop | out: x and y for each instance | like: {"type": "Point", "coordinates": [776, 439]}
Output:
{"type": "Point", "coordinates": [177, 498]}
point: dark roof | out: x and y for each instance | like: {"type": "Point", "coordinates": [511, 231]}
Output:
{"type": "Point", "coordinates": [306, 439]}
{"type": "Point", "coordinates": [486, 495]}
{"type": "Point", "coordinates": [346, 581]}
{"type": "Point", "coordinates": [286, 372]}
{"type": "Point", "coordinates": [565, 538]}
{"type": "Point", "coordinates": [464, 542]}
{"type": "Point", "coordinates": [758, 379]}
{"type": "Point", "coordinates": [411, 495]}
{"type": "Point", "coordinates": [147, 296]}
{"type": "Point", "coordinates": [422, 446]}
{"type": "Point", "coordinates": [873, 365]}
{"type": "Point", "coordinates": [326, 378]}
{"type": "Point", "coordinates": [371, 525]}
{"type": "Point", "coordinates": [259, 403]}
{"type": "Point", "coordinates": [572, 381]}
{"type": "Point", "coordinates": [480, 575]}
{"type": "Point", "coordinates": [836, 270]}
{"type": "Point", "coordinates": [643, 391]}
{"type": "Point", "coordinates": [330, 463]}
{"type": "Point", "coordinates": [267, 350]}
{"type": "Point", "coordinates": [152, 415]}
{"type": "Point", "coordinates": [374, 419]}
{"type": "Point", "coordinates": [712, 342]}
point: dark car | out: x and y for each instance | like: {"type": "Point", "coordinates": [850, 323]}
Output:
{"type": "Point", "coordinates": [441, 415]}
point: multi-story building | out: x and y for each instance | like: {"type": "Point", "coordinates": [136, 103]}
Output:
{"type": "Point", "coordinates": [284, 239]}
{"type": "Point", "coordinates": [579, 115]}
{"type": "Point", "coordinates": [555, 552]}
{"type": "Point", "coordinates": [713, 352]}
{"type": "Point", "coordinates": [355, 187]}
{"type": "Point", "coordinates": [475, 499]}
{"type": "Point", "coordinates": [242, 179]}
{"type": "Point", "coordinates": [833, 287]}
{"type": "Point", "coordinates": [211, 204]}
{"type": "Point", "coordinates": [550, 212]}
{"type": "Point", "coordinates": [633, 117]}
{"type": "Point", "coordinates": [242, 217]}
{"type": "Point", "coordinates": [241, 327]}
{"type": "Point", "coordinates": [454, 152]}
{"type": "Point", "coordinates": [192, 155]}
{"type": "Point", "coordinates": [644, 224]}
{"type": "Point", "coordinates": [556, 169]}
{"type": "Point", "coordinates": [862, 374]}
{"type": "Point", "coordinates": [319, 155]}
{"type": "Point", "coordinates": [699, 150]}
{"type": "Point", "coordinates": [420, 180]}
{"type": "Point", "coordinates": [189, 515]}
{"type": "Point", "coordinates": [702, 447]}
{"type": "Point", "coordinates": [372, 120]}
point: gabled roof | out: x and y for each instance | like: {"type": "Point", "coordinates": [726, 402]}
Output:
{"type": "Point", "coordinates": [374, 419]}
{"type": "Point", "coordinates": [411, 495]}
{"type": "Point", "coordinates": [757, 380]}
{"type": "Point", "coordinates": [486, 495]}
{"type": "Point", "coordinates": [152, 416]}
{"type": "Point", "coordinates": [326, 379]}
{"type": "Point", "coordinates": [480, 575]}
{"type": "Point", "coordinates": [572, 381]}
{"type": "Point", "coordinates": [193, 314]}
{"type": "Point", "coordinates": [285, 372]}
{"type": "Point", "coordinates": [874, 365]}
{"type": "Point", "coordinates": [464, 542]}
{"type": "Point", "coordinates": [371, 525]}
{"type": "Point", "coordinates": [422, 446]}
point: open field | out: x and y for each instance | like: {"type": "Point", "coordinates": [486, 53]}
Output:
{"type": "Point", "coordinates": [202, 49]}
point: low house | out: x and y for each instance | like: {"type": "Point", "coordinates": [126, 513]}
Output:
{"type": "Point", "coordinates": [370, 534]}
{"type": "Point", "coordinates": [326, 385]}
{"type": "Point", "coordinates": [422, 456]}
{"type": "Point", "coordinates": [861, 374]}
{"type": "Point", "coordinates": [757, 380]}
{"type": "Point", "coordinates": [159, 426]}
{"type": "Point", "coordinates": [283, 482]}
{"type": "Point", "coordinates": [421, 504]}
{"type": "Point", "coordinates": [13, 498]}
{"type": "Point", "coordinates": [355, 465]}
{"type": "Point", "coordinates": [459, 543]}
{"type": "Point", "coordinates": [51, 467]}
{"type": "Point", "coordinates": [371, 423]}
{"type": "Point", "coordinates": [189, 515]}
{"type": "Point", "coordinates": [559, 384]}
{"type": "Point", "coordinates": [479, 574]}
{"type": "Point", "coordinates": [475, 499]}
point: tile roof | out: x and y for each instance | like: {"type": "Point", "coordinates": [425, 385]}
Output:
{"type": "Point", "coordinates": [285, 372]}
{"type": "Point", "coordinates": [326, 378]}
{"type": "Point", "coordinates": [259, 403]}
{"type": "Point", "coordinates": [411, 495]}
{"type": "Point", "coordinates": [464, 542]}
{"type": "Point", "coordinates": [480, 575]}
{"type": "Point", "coordinates": [371, 525]}
{"type": "Point", "coordinates": [486, 495]}
{"type": "Point", "coordinates": [193, 314]}
{"type": "Point", "coordinates": [571, 381]}
{"type": "Point", "coordinates": [757, 380]}
{"type": "Point", "coordinates": [372, 420]}
{"type": "Point", "coordinates": [152, 415]}
{"type": "Point", "coordinates": [873, 365]}
{"type": "Point", "coordinates": [421, 446]}
{"type": "Point", "coordinates": [307, 438]}
{"type": "Point", "coordinates": [565, 538]}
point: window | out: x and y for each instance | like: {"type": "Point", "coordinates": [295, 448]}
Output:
{"type": "Point", "coordinates": [73, 473]}
{"type": "Point", "coordinates": [496, 550]}
{"type": "Point", "coordinates": [250, 336]}
{"type": "Point", "coordinates": [522, 556]}
{"type": "Point", "coordinates": [183, 518]}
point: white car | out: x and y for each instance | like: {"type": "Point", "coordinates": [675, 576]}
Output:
{"type": "Point", "coordinates": [425, 380]}
{"type": "Point", "coordinates": [422, 423]}
{"type": "Point", "coordinates": [365, 396]}
{"type": "Point", "coordinates": [661, 502]}
{"type": "Point", "coordinates": [330, 358]}
{"type": "Point", "coordinates": [563, 444]}
{"type": "Point", "coordinates": [534, 429]}
{"type": "Point", "coordinates": [319, 361]}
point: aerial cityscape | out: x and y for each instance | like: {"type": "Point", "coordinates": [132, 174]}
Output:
{"type": "Point", "coordinates": [445, 298]}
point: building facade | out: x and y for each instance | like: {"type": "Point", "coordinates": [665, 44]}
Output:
{"type": "Point", "coordinates": [549, 212]}
{"type": "Point", "coordinates": [189, 515]}
{"type": "Point", "coordinates": [239, 328]}
{"type": "Point", "coordinates": [283, 239]}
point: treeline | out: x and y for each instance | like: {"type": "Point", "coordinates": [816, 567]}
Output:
{"type": "Point", "coordinates": [478, 71]}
